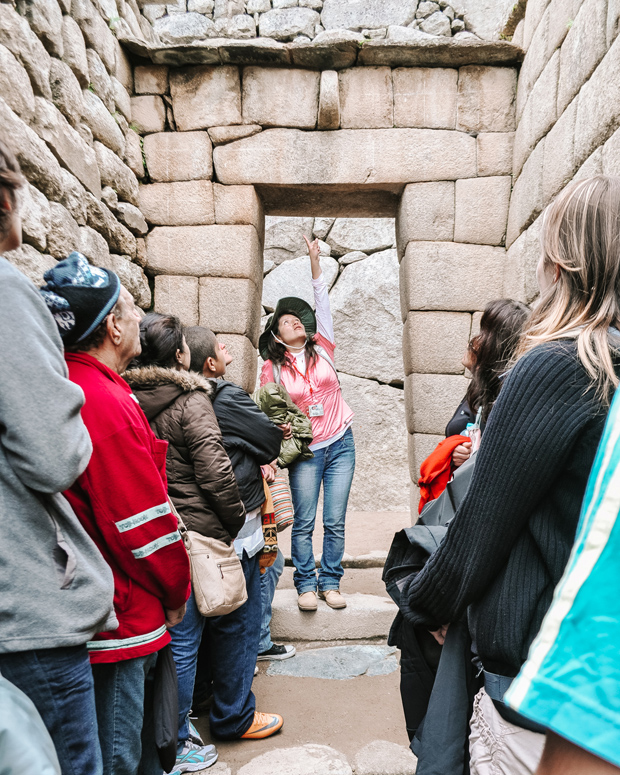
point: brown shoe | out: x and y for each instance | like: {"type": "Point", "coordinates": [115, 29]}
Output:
{"type": "Point", "coordinates": [333, 598]}
{"type": "Point", "coordinates": [307, 601]}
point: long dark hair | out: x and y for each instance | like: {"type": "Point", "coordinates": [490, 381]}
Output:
{"type": "Point", "coordinates": [493, 349]}
{"type": "Point", "coordinates": [160, 336]}
{"type": "Point", "coordinates": [277, 352]}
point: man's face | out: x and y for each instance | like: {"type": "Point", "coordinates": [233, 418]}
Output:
{"type": "Point", "coordinates": [128, 323]}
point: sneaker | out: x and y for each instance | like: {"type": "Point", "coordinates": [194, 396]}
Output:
{"type": "Point", "coordinates": [255, 669]}
{"type": "Point", "coordinates": [194, 758]}
{"type": "Point", "coordinates": [307, 601]}
{"type": "Point", "coordinates": [277, 651]}
{"type": "Point", "coordinates": [194, 735]}
{"type": "Point", "coordinates": [333, 598]}
{"type": "Point", "coordinates": [264, 725]}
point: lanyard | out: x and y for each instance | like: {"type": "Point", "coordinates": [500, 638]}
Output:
{"type": "Point", "coordinates": [305, 377]}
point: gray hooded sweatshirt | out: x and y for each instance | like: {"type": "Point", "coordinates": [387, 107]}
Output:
{"type": "Point", "coordinates": [55, 587]}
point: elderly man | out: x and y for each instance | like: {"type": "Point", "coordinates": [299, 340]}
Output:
{"type": "Point", "coordinates": [55, 588]}
{"type": "Point", "coordinates": [122, 502]}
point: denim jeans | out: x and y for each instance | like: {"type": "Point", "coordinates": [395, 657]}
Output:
{"type": "Point", "coordinates": [185, 643]}
{"type": "Point", "coordinates": [333, 466]}
{"type": "Point", "coordinates": [60, 684]}
{"type": "Point", "coordinates": [228, 657]}
{"type": "Point", "coordinates": [268, 583]}
{"type": "Point", "coordinates": [124, 697]}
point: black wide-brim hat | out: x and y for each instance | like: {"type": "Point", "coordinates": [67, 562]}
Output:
{"type": "Point", "coordinates": [288, 305]}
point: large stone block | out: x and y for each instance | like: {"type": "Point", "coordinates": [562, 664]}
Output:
{"type": "Point", "coordinates": [133, 154]}
{"type": "Point", "coordinates": [238, 205]}
{"type": "Point", "coordinates": [31, 263]}
{"type": "Point", "coordinates": [151, 79]}
{"type": "Point", "coordinates": [15, 86]}
{"type": "Point", "coordinates": [583, 49]}
{"type": "Point", "coordinates": [495, 151]}
{"type": "Point", "coordinates": [435, 342]}
{"type": "Point", "coordinates": [534, 15]}
{"type": "Point", "coordinates": [329, 101]}
{"type": "Point", "coordinates": [284, 237]}
{"type": "Point", "coordinates": [96, 32]}
{"type": "Point", "coordinates": [67, 145]}
{"type": "Point", "coordinates": [534, 63]}
{"type": "Point", "coordinates": [148, 113]}
{"type": "Point", "coordinates": [212, 251]}
{"type": "Point", "coordinates": [482, 210]}
{"type": "Point", "coordinates": [230, 305]}
{"type": "Point", "coordinates": [486, 99]}
{"type": "Point", "coordinates": [520, 268]}
{"type": "Point", "coordinates": [425, 97]}
{"type": "Point", "coordinates": [367, 14]}
{"type": "Point", "coordinates": [559, 157]}
{"type": "Point", "coordinates": [132, 277]}
{"type": "Point", "coordinates": [598, 113]}
{"type": "Point", "coordinates": [101, 123]}
{"type": "Point", "coordinates": [365, 298]}
{"type": "Point", "coordinates": [205, 96]}
{"type": "Point", "coordinates": [66, 92]}
{"type": "Point", "coordinates": [420, 447]}
{"type": "Point", "coordinates": [75, 50]}
{"type": "Point", "coordinates": [592, 166]}
{"type": "Point", "coordinates": [64, 233]}
{"type": "Point", "coordinates": [539, 114]}
{"type": "Point", "coordinates": [45, 19]}
{"type": "Point", "coordinates": [380, 444]}
{"type": "Point", "coordinates": [186, 203]}
{"type": "Point", "coordinates": [613, 20]}
{"type": "Point", "coordinates": [35, 216]}
{"type": "Point", "coordinates": [426, 213]}
{"type": "Point", "coordinates": [117, 175]}
{"type": "Point", "coordinates": [366, 98]}
{"type": "Point", "coordinates": [293, 278]}
{"type": "Point", "coordinates": [431, 400]}
{"type": "Point", "coordinates": [280, 97]}
{"type": "Point", "coordinates": [16, 35]}
{"type": "Point", "coordinates": [527, 199]}
{"type": "Point", "coordinates": [366, 234]}
{"type": "Point", "coordinates": [178, 296]}
{"type": "Point", "coordinates": [449, 276]}
{"type": "Point", "coordinates": [349, 157]}
{"type": "Point", "coordinates": [242, 371]}
{"type": "Point", "coordinates": [172, 156]}
{"type": "Point", "coordinates": [287, 23]}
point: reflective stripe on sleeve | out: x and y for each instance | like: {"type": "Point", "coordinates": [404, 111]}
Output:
{"type": "Point", "coordinates": [159, 543]}
{"type": "Point", "coordinates": [143, 517]}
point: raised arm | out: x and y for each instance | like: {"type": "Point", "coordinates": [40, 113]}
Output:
{"type": "Point", "coordinates": [325, 323]}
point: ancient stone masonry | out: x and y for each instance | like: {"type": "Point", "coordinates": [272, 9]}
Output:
{"type": "Point", "coordinates": [65, 108]}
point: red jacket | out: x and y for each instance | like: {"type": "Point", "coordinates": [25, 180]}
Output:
{"type": "Point", "coordinates": [435, 471]}
{"type": "Point", "coordinates": [121, 501]}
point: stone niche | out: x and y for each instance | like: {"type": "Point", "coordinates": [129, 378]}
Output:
{"type": "Point", "coordinates": [403, 173]}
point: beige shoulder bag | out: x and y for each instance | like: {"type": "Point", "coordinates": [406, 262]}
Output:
{"type": "Point", "coordinates": [217, 574]}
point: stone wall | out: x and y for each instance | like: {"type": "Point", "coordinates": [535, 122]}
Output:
{"type": "Point", "coordinates": [568, 117]}
{"type": "Point", "coordinates": [66, 110]}
{"type": "Point", "coordinates": [431, 146]}
{"type": "Point", "coordinates": [302, 21]}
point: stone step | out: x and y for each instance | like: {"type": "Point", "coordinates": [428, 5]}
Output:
{"type": "Point", "coordinates": [366, 617]}
{"type": "Point", "coordinates": [374, 559]}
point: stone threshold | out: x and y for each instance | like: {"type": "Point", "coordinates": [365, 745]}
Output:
{"type": "Point", "coordinates": [376, 559]}
{"type": "Point", "coordinates": [333, 55]}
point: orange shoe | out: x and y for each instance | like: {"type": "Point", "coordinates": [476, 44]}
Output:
{"type": "Point", "coordinates": [264, 725]}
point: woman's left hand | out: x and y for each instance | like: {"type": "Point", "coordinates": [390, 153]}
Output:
{"type": "Point", "coordinates": [286, 430]}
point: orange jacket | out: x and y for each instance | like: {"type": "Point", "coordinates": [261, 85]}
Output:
{"type": "Point", "coordinates": [436, 470]}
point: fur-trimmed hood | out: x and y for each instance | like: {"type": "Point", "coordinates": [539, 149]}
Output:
{"type": "Point", "coordinates": [157, 388]}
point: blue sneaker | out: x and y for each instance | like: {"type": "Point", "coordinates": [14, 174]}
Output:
{"type": "Point", "coordinates": [193, 758]}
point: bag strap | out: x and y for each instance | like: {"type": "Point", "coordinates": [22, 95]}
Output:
{"type": "Point", "coordinates": [277, 369]}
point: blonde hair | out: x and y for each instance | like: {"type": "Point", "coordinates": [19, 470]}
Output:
{"type": "Point", "coordinates": [581, 245]}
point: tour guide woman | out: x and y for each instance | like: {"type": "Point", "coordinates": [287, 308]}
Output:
{"type": "Point", "coordinates": [298, 349]}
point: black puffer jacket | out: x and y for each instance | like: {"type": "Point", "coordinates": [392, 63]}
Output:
{"type": "Point", "coordinates": [250, 438]}
{"type": "Point", "coordinates": [201, 481]}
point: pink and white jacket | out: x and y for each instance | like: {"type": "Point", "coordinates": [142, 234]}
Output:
{"type": "Point", "coordinates": [319, 384]}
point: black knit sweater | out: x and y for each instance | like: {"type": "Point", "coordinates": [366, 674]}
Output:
{"type": "Point", "coordinates": [507, 547]}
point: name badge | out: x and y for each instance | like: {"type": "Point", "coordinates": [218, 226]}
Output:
{"type": "Point", "coordinates": [316, 410]}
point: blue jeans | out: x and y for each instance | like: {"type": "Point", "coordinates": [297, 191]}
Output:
{"type": "Point", "coordinates": [124, 697]}
{"type": "Point", "coordinates": [228, 656]}
{"type": "Point", "coordinates": [334, 467]}
{"type": "Point", "coordinates": [185, 643]}
{"type": "Point", "coordinates": [268, 583]}
{"type": "Point", "coordinates": [60, 684]}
